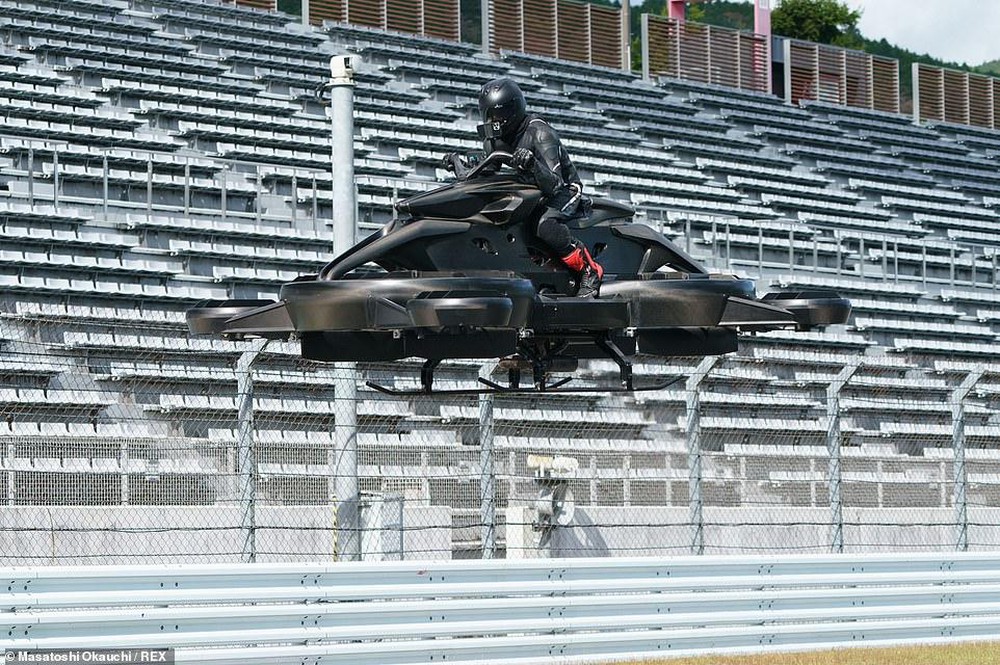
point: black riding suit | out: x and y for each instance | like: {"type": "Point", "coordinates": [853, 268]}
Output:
{"type": "Point", "coordinates": [553, 173]}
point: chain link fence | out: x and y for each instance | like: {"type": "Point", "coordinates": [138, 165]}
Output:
{"type": "Point", "coordinates": [149, 446]}
{"type": "Point", "coordinates": [124, 440]}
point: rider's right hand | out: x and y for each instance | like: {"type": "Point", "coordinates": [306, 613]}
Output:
{"type": "Point", "coordinates": [448, 161]}
{"type": "Point", "coordinates": [523, 159]}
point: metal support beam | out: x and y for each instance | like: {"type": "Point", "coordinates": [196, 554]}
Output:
{"type": "Point", "coordinates": [246, 464]}
{"type": "Point", "coordinates": [833, 451]}
{"type": "Point", "coordinates": [696, 518]}
{"type": "Point", "coordinates": [959, 473]}
{"type": "Point", "coordinates": [786, 46]}
{"type": "Point", "coordinates": [342, 113]}
{"type": "Point", "coordinates": [626, 37]}
{"type": "Point", "coordinates": [484, 23]}
{"type": "Point", "coordinates": [644, 45]}
{"type": "Point", "coordinates": [762, 26]}
{"type": "Point", "coordinates": [487, 505]}
{"type": "Point", "coordinates": [344, 465]}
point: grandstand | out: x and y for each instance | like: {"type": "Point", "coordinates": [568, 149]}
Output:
{"type": "Point", "coordinates": [157, 153]}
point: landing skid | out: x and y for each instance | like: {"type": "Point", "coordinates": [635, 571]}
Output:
{"type": "Point", "coordinates": [540, 369]}
{"type": "Point", "coordinates": [557, 387]}
{"type": "Point", "coordinates": [492, 388]}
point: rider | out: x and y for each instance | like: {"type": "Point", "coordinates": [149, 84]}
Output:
{"type": "Point", "coordinates": [539, 154]}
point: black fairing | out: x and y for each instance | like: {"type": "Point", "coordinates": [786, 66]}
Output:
{"type": "Point", "coordinates": [489, 200]}
{"type": "Point", "coordinates": [487, 223]}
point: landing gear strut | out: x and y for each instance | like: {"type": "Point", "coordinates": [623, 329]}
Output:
{"type": "Point", "coordinates": [541, 362]}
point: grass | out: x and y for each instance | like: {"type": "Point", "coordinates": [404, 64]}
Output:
{"type": "Point", "coordinates": [969, 653]}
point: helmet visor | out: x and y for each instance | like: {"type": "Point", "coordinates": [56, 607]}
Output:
{"type": "Point", "coordinates": [500, 119]}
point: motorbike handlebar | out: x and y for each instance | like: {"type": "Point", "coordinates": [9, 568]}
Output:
{"type": "Point", "coordinates": [498, 157]}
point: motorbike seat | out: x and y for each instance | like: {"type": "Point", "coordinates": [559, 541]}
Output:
{"type": "Point", "coordinates": [601, 210]}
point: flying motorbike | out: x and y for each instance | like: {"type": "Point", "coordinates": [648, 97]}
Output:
{"type": "Point", "coordinates": [460, 275]}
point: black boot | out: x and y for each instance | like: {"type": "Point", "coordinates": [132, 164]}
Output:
{"type": "Point", "coordinates": [590, 283]}
{"type": "Point", "coordinates": [589, 272]}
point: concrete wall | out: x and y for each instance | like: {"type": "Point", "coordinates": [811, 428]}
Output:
{"type": "Point", "coordinates": [40, 535]}
{"type": "Point", "coordinates": [651, 531]}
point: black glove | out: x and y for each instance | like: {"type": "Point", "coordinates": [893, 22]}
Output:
{"type": "Point", "coordinates": [523, 159]}
{"type": "Point", "coordinates": [448, 161]}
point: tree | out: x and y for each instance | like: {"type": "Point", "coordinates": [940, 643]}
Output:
{"type": "Point", "coordinates": [992, 68]}
{"type": "Point", "coordinates": [726, 13]}
{"type": "Point", "coordinates": [822, 21]}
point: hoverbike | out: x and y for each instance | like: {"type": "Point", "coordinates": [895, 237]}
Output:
{"type": "Point", "coordinates": [460, 275]}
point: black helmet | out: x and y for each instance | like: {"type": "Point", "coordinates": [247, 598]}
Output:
{"type": "Point", "coordinates": [501, 106]}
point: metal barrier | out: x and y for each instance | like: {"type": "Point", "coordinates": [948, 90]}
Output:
{"type": "Point", "coordinates": [528, 611]}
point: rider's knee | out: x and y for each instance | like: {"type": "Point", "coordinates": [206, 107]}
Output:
{"type": "Point", "coordinates": [555, 234]}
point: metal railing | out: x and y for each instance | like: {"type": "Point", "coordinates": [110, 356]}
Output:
{"type": "Point", "coordinates": [548, 611]}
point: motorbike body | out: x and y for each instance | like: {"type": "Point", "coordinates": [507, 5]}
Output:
{"type": "Point", "coordinates": [463, 276]}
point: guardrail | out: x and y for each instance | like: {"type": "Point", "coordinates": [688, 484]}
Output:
{"type": "Point", "coordinates": [543, 610]}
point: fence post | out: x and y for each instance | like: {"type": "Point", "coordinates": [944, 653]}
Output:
{"type": "Point", "coordinates": [760, 250]}
{"type": "Point", "coordinates": [343, 463]}
{"type": "Point", "coordinates": [791, 249]}
{"type": "Point", "coordinates": [258, 206]}
{"type": "Point", "coordinates": [959, 472]}
{"type": "Point", "coordinates": [224, 192]}
{"type": "Point", "coordinates": [487, 506]}
{"type": "Point", "coordinates": [840, 251]}
{"type": "Point", "coordinates": [692, 386]}
{"type": "Point", "coordinates": [149, 186]}
{"type": "Point", "coordinates": [245, 464]}
{"type": "Point", "coordinates": [105, 190]}
{"type": "Point", "coordinates": [187, 187]}
{"type": "Point", "coordinates": [833, 451]}
{"type": "Point", "coordinates": [31, 177]}
{"type": "Point", "coordinates": [55, 178]}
